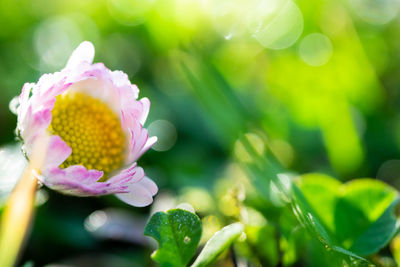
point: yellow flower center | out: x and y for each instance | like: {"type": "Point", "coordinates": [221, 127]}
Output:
{"type": "Point", "coordinates": [91, 129]}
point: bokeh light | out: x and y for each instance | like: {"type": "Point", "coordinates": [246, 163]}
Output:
{"type": "Point", "coordinates": [54, 40]}
{"type": "Point", "coordinates": [375, 12]}
{"type": "Point", "coordinates": [241, 151]}
{"type": "Point", "coordinates": [283, 28]}
{"type": "Point", "coordinates": [240, 91]}
{"type": "Point", "coordinates": [315, 49]}
{"type": "Point", "coordinates": [165, 132]}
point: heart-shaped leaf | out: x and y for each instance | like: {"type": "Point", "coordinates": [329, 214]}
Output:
{"type": "Point", "coordinates": [178, 233]}
{"type": "Point", "coordinates": [356, 217]}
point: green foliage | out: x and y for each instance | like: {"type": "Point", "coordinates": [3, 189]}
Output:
{"type": "Point", "coordinates": [205, 74]}
{"type": "Point", "coordinates": [178, 233]}
{"type": "Point", "coordinates": [218, 243]}
{"type": "Point", "coordinates": [356, 218]}
{"type": "Point", "coordinates": [379, 233]}
{"type": "Point", "coordinates": [263, 243]}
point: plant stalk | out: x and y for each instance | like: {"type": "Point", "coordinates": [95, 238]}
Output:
{"type": "Point", "coordinates": [18, 211]}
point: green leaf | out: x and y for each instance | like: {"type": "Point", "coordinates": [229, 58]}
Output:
{"type": "Point", "coordinates": [220, 241]}
{"type": "Point", "coordinates": [359, 204]}
{"type": "Point", "coordinates": [320, 192]}
{"type": "Point", "coordinates": [379, 233]}
{"type": "Point", "coordinates": [356, 218]}
{"type": "Point", "coordinates": [178, 233]}
{"type": "Point", "coordinates": [307, 216]}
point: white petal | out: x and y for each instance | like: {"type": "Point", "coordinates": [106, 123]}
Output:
{"type": "Point", "coordinates": [139, 196]}
{"type": "Point", "coordinates": [150, 142]}
{"type": "Point", "coordinates": [58, 152]}
{"type": "Point", "coordinates": [83, 53]}
{"type": "Point", "coordinates": [141, 193]}
{"type": "Point", "coordinates": [149, 185]}
{"type": "Point", "coordinates": [146, 107]}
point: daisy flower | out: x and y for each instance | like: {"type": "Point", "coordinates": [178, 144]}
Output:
{"type": "Point", "coordinates": [94, 124]}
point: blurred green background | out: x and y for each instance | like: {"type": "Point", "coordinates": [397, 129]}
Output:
{"type": "Point", "coordinates": [314, 82]}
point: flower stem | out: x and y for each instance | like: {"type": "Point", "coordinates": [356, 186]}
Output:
{"type": "Point", "coordinates": [18, 211]}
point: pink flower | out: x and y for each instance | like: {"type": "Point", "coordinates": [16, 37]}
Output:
{"type": "Point", "coordinates": [94, 123]}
